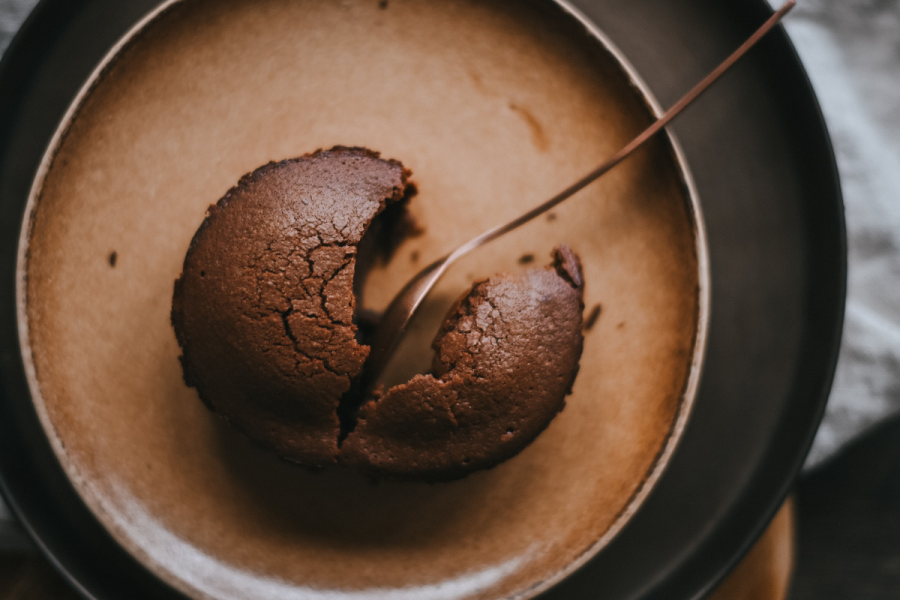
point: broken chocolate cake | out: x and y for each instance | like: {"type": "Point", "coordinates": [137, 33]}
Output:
{"type": "Point", "coordinates": [265, 314]}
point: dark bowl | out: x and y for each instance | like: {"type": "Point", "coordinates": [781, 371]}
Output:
{"type": "Point", "coordinates": [764, 169]}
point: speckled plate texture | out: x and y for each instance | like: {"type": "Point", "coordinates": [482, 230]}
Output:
{"type": "Point", "coordinates": [493, 106]}
{"type": "Point", "coordinates": [129, 466]}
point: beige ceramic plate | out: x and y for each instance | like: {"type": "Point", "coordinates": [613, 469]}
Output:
{"type": "Point", "coordinates": [495, 106]}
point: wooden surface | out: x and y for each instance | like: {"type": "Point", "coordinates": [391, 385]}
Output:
{"type": "Point", "coordinates": [765, 573]}
{"type": "Point", "coordinates": [30, 577]}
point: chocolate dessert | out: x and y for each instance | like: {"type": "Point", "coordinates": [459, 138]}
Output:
{"type": "Point", "coordinates": [505, 358]}
{"type": "Point", "coordinates": [266, 314]}
{"type": "Point", "coordinates": [263, 310]}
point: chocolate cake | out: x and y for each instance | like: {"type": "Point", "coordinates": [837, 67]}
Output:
{"type": "Point", "coordinates": [265, 312]}
{"type": "Point", "coordinates": [505, 359]}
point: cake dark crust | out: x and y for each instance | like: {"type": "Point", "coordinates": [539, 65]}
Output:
{"type": "Point", "coordinates": [505, 358]}
{"type": "Point", "coordinates": [263, 310]}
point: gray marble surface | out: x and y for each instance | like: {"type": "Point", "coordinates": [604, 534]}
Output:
{"type": "Point", "coordinates": [851, 49]}
{"type": "Point", "coordinates": [12, 15]}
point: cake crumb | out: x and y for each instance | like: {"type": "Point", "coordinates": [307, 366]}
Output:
{"type": "Point", "coordinates": [592, 317]}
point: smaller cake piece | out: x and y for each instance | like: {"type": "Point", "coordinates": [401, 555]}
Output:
{"type": "Point", "coordinates": [505, 359]}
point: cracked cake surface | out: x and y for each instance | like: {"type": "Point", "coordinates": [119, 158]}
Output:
{"type": "Point", "coordinates": [263, 309]}
{"type": "Point", "coordinates": [505, 358]}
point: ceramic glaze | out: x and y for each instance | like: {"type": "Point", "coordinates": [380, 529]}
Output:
{"type": "Point", "coordinates": [494, 106]}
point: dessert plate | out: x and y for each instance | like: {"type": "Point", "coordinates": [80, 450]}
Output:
{"type": "Point", "coordinates": [493, 105]}
{"type": "Point", "coordinates": [778, 245]}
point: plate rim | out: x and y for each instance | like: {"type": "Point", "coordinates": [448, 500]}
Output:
{"type": "Point", "coordinates": [686, 398]}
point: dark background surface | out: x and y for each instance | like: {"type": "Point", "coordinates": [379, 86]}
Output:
{"type": "Point", "coordinates": [848, 522]}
